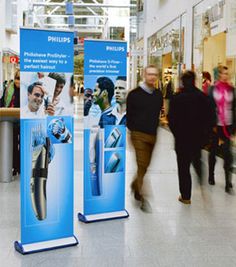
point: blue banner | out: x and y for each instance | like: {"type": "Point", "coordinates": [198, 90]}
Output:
{"type": "Point", "coordinates": [105, 80]}
{"type": "Point", "coordinates": [47, 170]}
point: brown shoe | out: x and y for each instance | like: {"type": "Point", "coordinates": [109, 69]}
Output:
{"type": "Point", "coordinates": [185, 201]}
{"type": "Point", "coordinates": [134, 191]}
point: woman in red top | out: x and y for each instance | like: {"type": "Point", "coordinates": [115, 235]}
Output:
{"type": "Point", "coordinates": [223, 97]}
{"type": "Point", "coordinates": [206, 76]}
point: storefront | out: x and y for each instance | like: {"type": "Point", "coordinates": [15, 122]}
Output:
{"type": "Point", "coordinates": [9, 64]}
{"type": "Point", "coordinates": [214, 38]}
{"type": "Point", "coordinates": [166, 50]}
{"type": "Point", "coordinates": [214, 35]}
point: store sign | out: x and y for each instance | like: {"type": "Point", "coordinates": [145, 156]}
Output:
{"type": "Point", "coordinates": [14, 59]}
{"type": "Point", "coordinates": [216, 12]}
{"type": "Point", "coordinates": [165, 41]}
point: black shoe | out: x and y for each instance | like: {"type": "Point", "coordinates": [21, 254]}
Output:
{"type": "Point", "coordinates": [228, 180]}
{"type": "Point", "coordinates": [228, 189]}
{"type": "Point", "coordinates": [211, 182]}
{"type": "Point", "coordinates": [15, 172]}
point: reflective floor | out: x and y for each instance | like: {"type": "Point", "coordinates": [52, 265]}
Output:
{"type": "Point", "coordinates": [203, 234]}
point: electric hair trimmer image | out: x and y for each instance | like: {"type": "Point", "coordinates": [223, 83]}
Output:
{"type": "Point", "coordinates": [113, 138]}
{"type": "Point", "coordinates": [95, 160]}
{"type": "Point", "coordinates": [113, 163]}
{"type": "Point", "coordinates": [42, 154]}
{"type": "Point", "coordinates": [58, 129]}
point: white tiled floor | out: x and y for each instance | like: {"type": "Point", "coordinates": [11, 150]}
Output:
{"type": "Point", "coordinates": [203, 234]}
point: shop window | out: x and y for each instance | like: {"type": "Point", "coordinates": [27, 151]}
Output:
{"type": "Point", "coordinates": [166, 50]}
{"type": "Point", "coordinates": [214, 34]}
{"type": "Point", "coordinates": [117, 33]}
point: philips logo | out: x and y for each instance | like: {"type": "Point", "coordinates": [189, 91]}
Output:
{"type": "Point", "coordinates": [55, 39]}
{"type": "Point", "coordinates": [115, 48]}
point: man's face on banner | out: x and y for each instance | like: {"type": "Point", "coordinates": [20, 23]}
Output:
{"type": "Point", "coordinates": [120, 91]}
{"type": "Point", "coordinates": [97, 95]}
{"type": "Point", "coordinates": [35, 99]}
{"type": "Point", "coordinates": [58, 89]}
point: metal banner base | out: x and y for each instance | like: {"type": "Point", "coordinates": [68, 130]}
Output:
{"type": "Point", "coordinates": [103, 216]}
{"type": "Point", "coordinates": [46, 245]}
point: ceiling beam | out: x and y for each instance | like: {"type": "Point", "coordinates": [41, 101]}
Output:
{"type": "Point", "coordinates": [104, 10]}
{"type": "Point", "coordinates": [82, 5]}
{"type": "Point", "coordinates": [76, 25]}
{"type": "Point", "coordinates": [76, 16]}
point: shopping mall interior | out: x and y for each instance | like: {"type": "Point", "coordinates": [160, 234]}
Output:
{"type": "Point", "coordinates": [42, 193]}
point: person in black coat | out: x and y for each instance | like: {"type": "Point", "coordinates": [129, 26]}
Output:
{"type": "Point", "coordinates": [191, 117]}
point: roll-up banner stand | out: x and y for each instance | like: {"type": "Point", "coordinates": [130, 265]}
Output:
{"type": "Point", "coordinates": [46, 74]}
{"type": "Point", "coordinates": [105, 81]}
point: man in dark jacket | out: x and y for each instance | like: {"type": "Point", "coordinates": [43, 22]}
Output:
{"type": "Point", "coordinates": [191, 117]}
{"type": "Point", "coordinates": [143, 110]}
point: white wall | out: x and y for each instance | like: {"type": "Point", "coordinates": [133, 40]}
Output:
{"type": "Point", "coordinates": [9, 40]}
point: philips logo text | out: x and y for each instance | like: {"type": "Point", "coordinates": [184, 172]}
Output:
{"type": "Point", "coordinates": [115, 48]}
{"type": "Point", "coordinates": [55, 39]}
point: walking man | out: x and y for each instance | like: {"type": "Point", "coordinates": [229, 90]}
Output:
{"type": "Point", "coordinates": [144, 104]}
{"type": "Point", "coordinates": [190, 117]}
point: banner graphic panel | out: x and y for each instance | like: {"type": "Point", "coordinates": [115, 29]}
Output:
{"type": "Point", "coordinates": [105, 80]}
{"type": "Point", "coordinates": [46, 69]}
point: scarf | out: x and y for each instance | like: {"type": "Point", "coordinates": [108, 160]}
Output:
{"type": "Point", "coordinates": [8, 95]}
{"type": "Point", "coordinates": [222, 87]}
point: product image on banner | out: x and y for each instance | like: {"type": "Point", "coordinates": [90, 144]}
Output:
{"type": "Point", "coordinates": [95, 156]}
{"type": "Point", "coordinates": [114, 163]}
{"type": "Point", "coordinates": [114, 138]}
{"type": "Point", "coordinates": [42, 154]}
{"type": "Point", "coordinates": [58, 129]}
{"type": "Point", "coordinates": [45, 94]}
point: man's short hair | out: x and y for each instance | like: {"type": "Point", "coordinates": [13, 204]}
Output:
{"type": "Point", "coordinates": [31, 87]}
{"type": "Point", "coordinates": [104, 83]}
{"type": "Point", "coordinates": [122, 78]}
{"type": "Point", "coordinates": [59, 77]}
{"type": "Point", "coordinates": [88, 91]}
{"type": "Point", "coordinates": [221, 68]}
{"type": "Point", "coordinates": [188, 79]}
{"type": "Point", "coordinates": [150, 66]}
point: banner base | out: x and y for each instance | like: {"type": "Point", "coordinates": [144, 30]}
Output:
{"type": "Point", "coordinates": [103, 216]}
{"type": "Point", "coordinates": [46, 245]}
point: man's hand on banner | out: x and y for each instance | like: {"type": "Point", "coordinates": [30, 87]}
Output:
{"type": "Point", "coordinates": [50, 110]}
